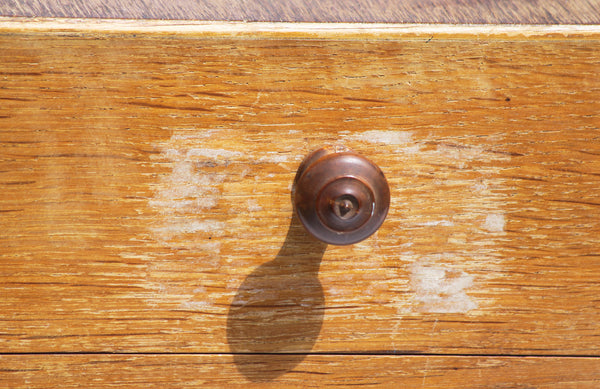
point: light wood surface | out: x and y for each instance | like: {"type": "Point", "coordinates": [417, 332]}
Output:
{"type": "Point", "coordinates": [145, 183]}
{"type": "Point", "coordinates": [364, 11]}
{"type": "Point", "coordinates": [340, 371]}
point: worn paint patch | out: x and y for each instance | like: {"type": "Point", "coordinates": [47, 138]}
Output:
{"type": "Point", "coordinates": [384, 137]}
{"type": "Point", "coordinates": [184, 202]}
{"type": "Point", "coordinates": [176, 227]}
{"type": "Point", "coordinates": [447, 265]}
{"type": "Point", "coordinates": [212, 153]}
{"type": "Point", "coordinates": [494, 222]}
{"type": "Point", "coordinates": [193, 202]}
{"type": "Point", "coordinates": [275, 157]}
{"type": "Point", "coordinates": [253, 206]}
{"type": "Point", "coordinates": [402, 141]}
{"type": "Point", "coordinates": [195, 305]}
{"type": "Point", "coordinates": [441, 290]}
{"type": "Point", "coordinates": [182, 196]}
{"type": "Point", "coordinates": [443, 223]}
{"type": "Point", "coordinates": [463, 155]}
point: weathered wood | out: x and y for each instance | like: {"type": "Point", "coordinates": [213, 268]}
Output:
{"type": "Point", "coordinates": [339, 371]}
{"type": "Point", "coordinates": [145, 190]}
{"type": "Point", "coordinates": [365, 11]}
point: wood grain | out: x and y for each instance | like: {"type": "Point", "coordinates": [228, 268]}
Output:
{"type": "Point", "coordinates": [145, 193]}
{"type": "Point", "coordinates": [363, 11]}
{"type": "Point", "coordinates": [218, 371]}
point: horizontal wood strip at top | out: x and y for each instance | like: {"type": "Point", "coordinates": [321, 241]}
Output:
{"type": "Point", "coordinates": [145, 194]}
{"type": "Point", "coordinates": [112, 28]}
{"type": "Point", "coordinates": [290, 371]}
{"type": "Point", "coordinates": [363, 11]}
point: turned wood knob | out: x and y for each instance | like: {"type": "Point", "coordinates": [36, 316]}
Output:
{"type": "Point", "coordinates": [341, 197]}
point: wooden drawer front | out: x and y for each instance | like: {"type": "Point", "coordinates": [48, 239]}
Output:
{"type": "Point", "coordinates": [145, 178]}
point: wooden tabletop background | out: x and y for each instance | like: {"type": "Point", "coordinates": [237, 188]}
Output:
{"type": "Point", "coordinates": [366, 11]}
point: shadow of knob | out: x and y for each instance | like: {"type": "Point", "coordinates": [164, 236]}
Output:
{"type": "Point", "coordinates": [341, 197]}
{"type": "Point", "coordinates": [277, 313]}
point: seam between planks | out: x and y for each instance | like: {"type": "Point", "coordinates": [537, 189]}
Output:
{"type": "Point", "coordinates": [375, 354]}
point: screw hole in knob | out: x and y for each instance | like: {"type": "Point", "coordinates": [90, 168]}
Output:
{"type": "Point", "coordinates": [345, 207]}
{"type": "Point", "coordinates": [340, 196]}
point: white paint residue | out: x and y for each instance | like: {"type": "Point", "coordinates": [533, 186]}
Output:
{"type": "Point", "coordinates": [194, 305]}
{"type": "Point", "coordinates": [179, 227]}
{"type": "Point", "coordinates": [461, 154]}
{"type": "Point", "coordinates": [384, 137]}
{"type": "Point", "coordinates": [335, 291]}
{"type": "Point", "coordinates": [473, 210]}
{"type": "Point", "coordinates": [212, 153]}
{"type": "Point", "coordinates": [192, 133]}
{"type": "Point", "coordinates": [387, 137]}
{"type": "Point", "coordinates": [127, 255]}
{"type": "Point", "coordinates": [415, 148]}
{"type": "Point", "coordinates": [200, 289]}
{"type": "Point", "coordinates": [445, 223]}
{"type": "Point", "coordinates": [401, 139]}
{"type": "Point", "coordinates": [253, 206]}
{"type": "Point", "coordinates": [213, 247]}
{"type": "Point", "coordinates": [440, 290]}
{"type": "Point", "coordinates": [494, 222]}
{"type": "Point", "coordinates": [275, 158]}
{"type": "Point", "coordinates": [186, 189]}
{"type": "Point", "coordinates": [183, 197]}
{"type": "Point", "coordinates": [197, 170]}
{"type": "Point", "coordinates": [480, 186]}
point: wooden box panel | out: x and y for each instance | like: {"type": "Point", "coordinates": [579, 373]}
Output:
{"type": "Point", "coordinates": [219, 371]}
{"type": "Point", "coordinates": [146, 170]}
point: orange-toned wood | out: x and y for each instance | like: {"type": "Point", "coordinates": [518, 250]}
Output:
{"type": "Point", "coordinates": [145, 177]}
{"type": "Point", "coordinates": [340, 371]}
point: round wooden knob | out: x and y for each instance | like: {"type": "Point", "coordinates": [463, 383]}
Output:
{"type": "Point", "coordinates": [341, 197]}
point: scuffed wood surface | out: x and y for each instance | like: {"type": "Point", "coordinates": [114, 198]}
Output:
{"type": "Point", "coordinates": [364, 11]}
{"type": "Point", "coordinates": [145, 194]}
{"type": "Point", "coordinates": [340, 371]}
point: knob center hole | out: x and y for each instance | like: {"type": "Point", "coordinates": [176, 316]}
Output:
{"type": "Point", "coordinates": [345, 207]}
